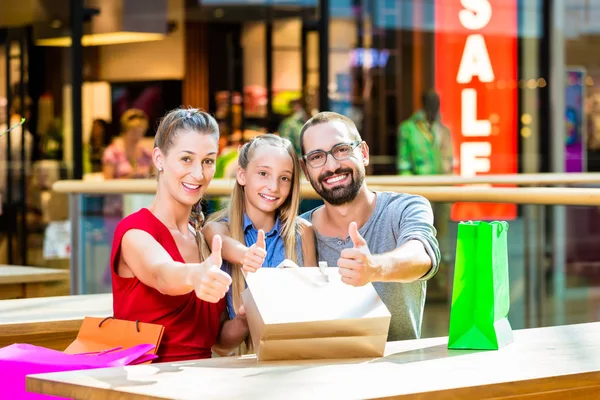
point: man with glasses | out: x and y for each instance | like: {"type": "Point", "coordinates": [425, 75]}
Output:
{"type": "Point", "coordinates": [381, 237]}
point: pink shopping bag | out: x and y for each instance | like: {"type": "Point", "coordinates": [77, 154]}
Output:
{"type": "Point", "coordinates": [19, 360]}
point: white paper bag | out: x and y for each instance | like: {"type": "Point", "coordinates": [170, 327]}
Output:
{"type": "Point", "coordinates": [293, 313]}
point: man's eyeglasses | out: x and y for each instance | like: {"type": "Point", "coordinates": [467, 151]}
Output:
{"type": "Point", "coordinates": [340, 152]}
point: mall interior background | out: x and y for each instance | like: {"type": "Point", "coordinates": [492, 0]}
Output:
{"type": "Point", "coordinates": [244, 61]}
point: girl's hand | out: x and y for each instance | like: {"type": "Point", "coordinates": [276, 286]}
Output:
{"type": "Point", "coordinates": [255, 255]}
{"type": "Point", "coordinates": [208, 280]}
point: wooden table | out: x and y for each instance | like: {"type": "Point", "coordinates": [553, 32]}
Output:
{"type": "Point", "coordinates": [51, 322]}
{"type": "Point", "coordinates": [543, 363]}
{"type": "Point", "coordinates": [17, 282]}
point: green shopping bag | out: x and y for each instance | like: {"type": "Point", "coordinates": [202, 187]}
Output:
{"type": "Point", "coordinates": [480, 295]}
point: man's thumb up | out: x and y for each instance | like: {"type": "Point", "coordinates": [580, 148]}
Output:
{"type": "Point", "coordinates": [359, 241]}
{"type": "Point", "coordinates": [260, 240]}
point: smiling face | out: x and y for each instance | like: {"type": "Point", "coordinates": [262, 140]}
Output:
{"type": "Point", "coordinates": [267, 179]}
{"type": "Point", "coordinates": [188, 166]}
{"type": "Point", "coordinates": [336, 181]}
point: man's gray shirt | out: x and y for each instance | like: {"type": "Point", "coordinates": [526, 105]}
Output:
{"type": "Point", "coordinates": [397, 218]}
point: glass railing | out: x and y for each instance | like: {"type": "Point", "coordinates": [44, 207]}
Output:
{"type": "Point", "coordinates": [553, 263]}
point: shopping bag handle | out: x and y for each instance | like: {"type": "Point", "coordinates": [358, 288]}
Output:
{"type": "Point", "coordinates": [502, 225]}
{"type": "Point", "coordinates": [287, 263]}
{"type": "Point", "coordinates": [137, 323]}
{"type": "Point", "coordinates": [99, 353]}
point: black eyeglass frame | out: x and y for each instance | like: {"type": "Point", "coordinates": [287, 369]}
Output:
{"type": "Point", "coordinates": [353, 145]}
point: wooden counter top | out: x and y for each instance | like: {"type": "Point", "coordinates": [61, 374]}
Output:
{"type": "Point", "coordinates": [543, 363]}
{"type": "Point", "coordinates": [49, 321]}
{"type": "Point", "coordinates": [18, 282]}
{"type": "Point", "coordinates": [443, 192]}
{"type": "Point", "coordinates": [224, 185]}
{"type": "Point", "coordinates": [18, 274]}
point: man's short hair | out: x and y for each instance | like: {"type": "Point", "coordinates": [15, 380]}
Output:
{"type": "Point", "coordinates": [430, 98]}
{"type": "Point", "coordinates": [325, 117]}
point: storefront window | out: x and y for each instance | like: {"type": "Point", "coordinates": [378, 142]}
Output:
{"type": "Point", "coordinates": [483, 61]}
{"type": "Point", "coordinates": [436, 87]}
{"type": "Point", "coordinates": [441, 87]}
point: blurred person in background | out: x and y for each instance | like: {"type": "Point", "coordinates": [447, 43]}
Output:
{"type": "Point", "coordinates": [290, 129]}
{"type": "Point", "coordinates": [424, 143]}
{"type": "Point", "coordinates": [126, 157]}
{"type": "Point", "coordinates": [425, 148]}
{"type": "Point", "coordinates": [99, 138]}
{"type": "Point", "coordinates": [291, 126]}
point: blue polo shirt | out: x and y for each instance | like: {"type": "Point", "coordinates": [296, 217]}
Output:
{"type": "Point", "coordinates": [275, 251]}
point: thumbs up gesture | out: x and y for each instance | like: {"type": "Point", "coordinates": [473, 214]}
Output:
{"type": "Point", "coordinates": [255, 255]}
{"type": "Point", "coordinates": [210, 283]}
{"type": "Point", "coordinates": [357, 266]}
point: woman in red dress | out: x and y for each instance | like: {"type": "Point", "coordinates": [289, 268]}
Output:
{"type": "Point", "coordinates": [162, 271]}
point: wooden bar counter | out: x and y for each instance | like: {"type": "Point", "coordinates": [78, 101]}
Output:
{"type": "Point", "coordinates": [51, 322]}
{"type": "Point", "coordinates": [440, 193]}
{"type": "Point", "coordinates": [17, 282]}
{"type": "Point", "coordinates": [543, 363]}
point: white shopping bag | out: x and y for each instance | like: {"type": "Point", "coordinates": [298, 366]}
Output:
{"type": "Point", "coordinates": [294, 313]}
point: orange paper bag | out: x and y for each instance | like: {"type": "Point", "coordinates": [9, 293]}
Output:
{"type": "Point", "coordinates": [100, 334]}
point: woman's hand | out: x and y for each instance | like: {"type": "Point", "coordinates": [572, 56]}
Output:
{"type": "Point", "coordinates": [255, 255]}
{"type": "Point", "coordinates": [208, 280]}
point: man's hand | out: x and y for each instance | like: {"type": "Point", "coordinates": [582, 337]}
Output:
{"type": "Point", "coordinates": [357, 266]}
{"type": "Point", "coordinates": [255, 255]}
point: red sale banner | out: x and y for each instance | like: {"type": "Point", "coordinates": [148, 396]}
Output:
{"type": "Point", "coordinates": [476, 78]}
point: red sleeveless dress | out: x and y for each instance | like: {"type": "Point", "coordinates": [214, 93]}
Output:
{"type": "Point", "coordinates": [191, 325]}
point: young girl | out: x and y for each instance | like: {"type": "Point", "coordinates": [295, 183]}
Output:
{"type": "Point", "coordinates": [161, 270]}
{"type": "Point", "coordinates": [265, 198]}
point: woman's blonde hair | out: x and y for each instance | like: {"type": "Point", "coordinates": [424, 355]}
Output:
{"type": "Point", "coordinates": [170, 125]}
{"type": "Point", "coordinates": [287, 212]}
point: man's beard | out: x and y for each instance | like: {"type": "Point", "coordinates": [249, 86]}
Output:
{"type": "Point", "coordinates": [341, 194]}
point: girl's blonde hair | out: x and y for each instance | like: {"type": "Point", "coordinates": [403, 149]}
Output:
{"type": "Point", "coordinates": [287, 211]}
{"type": "Point", "coordinates": [170, 125]}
